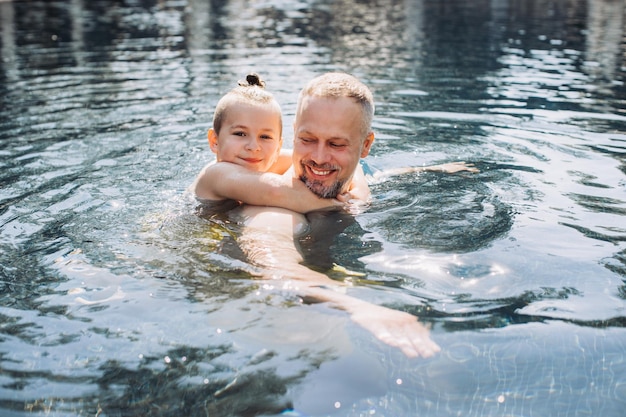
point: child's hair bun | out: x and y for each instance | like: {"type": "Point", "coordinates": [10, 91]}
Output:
{"type": "Point", "coordinates": [252, 80]}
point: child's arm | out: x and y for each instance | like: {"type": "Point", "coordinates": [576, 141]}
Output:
{"type": "Point", "coordinates": [358, 193]}
{"type": "Point", "coordinates": [227, 181]}
{"type": "Point", "coordinates": [359, 189]}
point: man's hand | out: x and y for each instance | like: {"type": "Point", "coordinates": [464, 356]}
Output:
{"type": "Point", "coordinates": [453, 167]}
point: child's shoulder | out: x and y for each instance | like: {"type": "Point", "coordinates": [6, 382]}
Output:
{"type": "Point", "coordinates": [283, 162]}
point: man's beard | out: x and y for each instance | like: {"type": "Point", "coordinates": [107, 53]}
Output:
{"type": "Point", "coordinates": [317, 187]}
{"type": "Point", "coordinates": [321, 190]}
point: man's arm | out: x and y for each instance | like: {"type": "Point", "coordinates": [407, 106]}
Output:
{"type": "Point", "coordinates": [359, 191]}
{"type": "Point", "coordinates": [227, 181]}
{"type": "Point", "coordinates": [448, 168]}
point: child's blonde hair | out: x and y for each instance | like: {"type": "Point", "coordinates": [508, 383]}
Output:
{"type": "Point", "coordinates": [251, 91]}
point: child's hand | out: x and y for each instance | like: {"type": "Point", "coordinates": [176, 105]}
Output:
{"type": "Point", "coordinates": [344, 197]}
{"type": "Point", "coordinates": [351, 203]}
{"type": "Point", "coordinates": [349, 198]}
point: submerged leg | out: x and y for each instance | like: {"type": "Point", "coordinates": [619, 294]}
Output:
{"type": "Point", "coordinates": [269, 243]}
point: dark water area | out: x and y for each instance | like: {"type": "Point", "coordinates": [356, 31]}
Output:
{"type": "Point", "coordinates": [116, 300]}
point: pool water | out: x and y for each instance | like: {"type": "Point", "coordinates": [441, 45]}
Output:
{"type": "Point", "coordinates": [118, 300]}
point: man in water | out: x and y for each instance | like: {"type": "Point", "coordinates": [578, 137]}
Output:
{"type": "Point", "coordinates": [332, 131]}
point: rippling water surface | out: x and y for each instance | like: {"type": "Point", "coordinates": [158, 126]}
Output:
{"type": "Point", "coordinates": [116, 301]}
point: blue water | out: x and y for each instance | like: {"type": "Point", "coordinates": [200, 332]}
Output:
{"type": "Point", "coordinates": [117, 299]}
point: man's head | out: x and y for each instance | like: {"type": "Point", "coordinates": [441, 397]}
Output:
{"type": "Point", "coordinates": [332, 131]}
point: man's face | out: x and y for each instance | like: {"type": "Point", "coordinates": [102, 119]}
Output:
{"type": "Point", "coordinates": [328, 143]}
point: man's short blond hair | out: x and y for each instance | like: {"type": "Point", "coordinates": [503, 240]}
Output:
{"type": "Point", "coordinates": [339, 84]}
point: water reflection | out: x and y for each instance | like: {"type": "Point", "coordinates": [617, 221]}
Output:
{"type": "Point", "coordinates": [474, 218]}
{"type": "Point", "coordinates": [604, 41]}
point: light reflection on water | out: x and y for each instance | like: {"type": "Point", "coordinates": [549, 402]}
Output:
{"type": "Point", "coordinates": [117, 297]}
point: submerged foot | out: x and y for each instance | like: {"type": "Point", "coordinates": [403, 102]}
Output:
{"type": "Point", "coordinates": [397, 329]}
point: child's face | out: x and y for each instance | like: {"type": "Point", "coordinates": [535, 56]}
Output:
{"type": "Point", "coordinates": [250, 136]}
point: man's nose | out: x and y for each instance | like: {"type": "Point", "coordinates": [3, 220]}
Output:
{"type": "Point", "coordinates": [320, 154]}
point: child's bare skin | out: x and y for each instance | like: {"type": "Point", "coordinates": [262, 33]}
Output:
{"type": "Point", "coordinates": [332, 132]}
{"type": "Point", "coordinates": [247, 138]}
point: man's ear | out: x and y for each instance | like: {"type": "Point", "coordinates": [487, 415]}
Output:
{"type": "Point", "coordinates": [367, 144]}
{"type": "Point", "coordinates": [212, 136]}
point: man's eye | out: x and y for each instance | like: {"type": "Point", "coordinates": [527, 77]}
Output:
{"type": "Point", "coordinates": [338, 145]}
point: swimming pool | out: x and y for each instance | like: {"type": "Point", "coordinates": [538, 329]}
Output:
{"type": "Point", "coordinates": [115, 300]}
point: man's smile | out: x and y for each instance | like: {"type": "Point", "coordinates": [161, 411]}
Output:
{"type": "Point", "coordinates": [319, 172]}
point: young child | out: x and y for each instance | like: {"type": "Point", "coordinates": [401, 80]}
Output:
{"type": "Point", "coordinates": [247, 137]}
{"type": "Point", "coordinates": [270, 235]}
